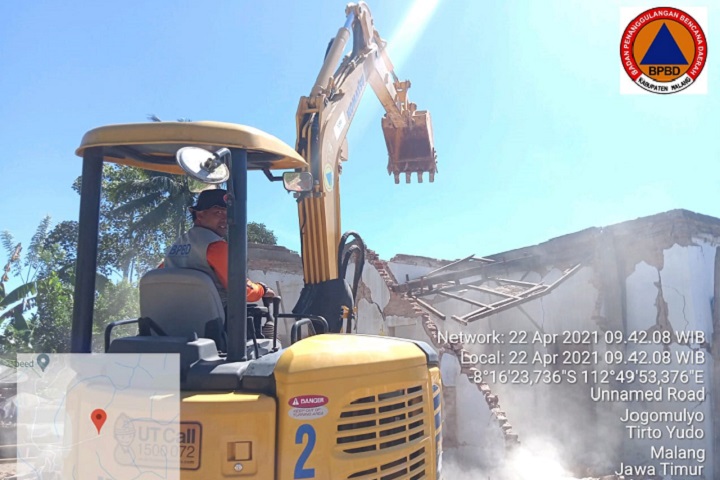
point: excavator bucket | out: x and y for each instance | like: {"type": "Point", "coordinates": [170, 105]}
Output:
{"type": "Point", "coordinates": [410, 147]}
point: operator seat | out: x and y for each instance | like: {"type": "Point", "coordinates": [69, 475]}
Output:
{"type": "Point", "coordinates": [184, 303]}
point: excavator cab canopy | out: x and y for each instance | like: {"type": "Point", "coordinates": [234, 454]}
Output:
{"type": "Point", "coordinates": [156, 146]}
{"type": "Point", "coordinates": [153, 146]}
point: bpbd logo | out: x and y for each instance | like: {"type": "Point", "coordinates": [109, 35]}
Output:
{"type": "Point", "coordinates": [663, 50]}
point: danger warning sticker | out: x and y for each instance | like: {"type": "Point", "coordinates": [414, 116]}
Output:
{"type": "Point", "coordinates": [308, 401]}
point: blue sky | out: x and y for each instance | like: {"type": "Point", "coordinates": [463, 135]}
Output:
{"type": "Point", "coordinates": [533, 137]}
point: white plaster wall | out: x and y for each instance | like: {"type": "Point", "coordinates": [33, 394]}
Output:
{"type": "Point", "coordinates": [404, 271]}
{"type": "Point", "coordinates": [687, 283]}
{"type": "Point", "coordinates": [379, 291]}
{"type": "Point", "coordinates": [555, 414]}
{"type": "Point", "coordinates": [688, 286]}
{"type": "Point", "coordinates": [642, 293]}
{"type": "Point", "coordinates": [477, 430]}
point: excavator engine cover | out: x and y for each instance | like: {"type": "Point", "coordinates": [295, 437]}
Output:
{"type": "Point", "coordinates": [410, 148]}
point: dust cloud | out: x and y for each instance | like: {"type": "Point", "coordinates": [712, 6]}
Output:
{"type": "Point", "coordinates": [534, 460]}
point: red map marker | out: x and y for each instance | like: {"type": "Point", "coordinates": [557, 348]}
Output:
{"type": "Point", "coordinates": [98, 417]}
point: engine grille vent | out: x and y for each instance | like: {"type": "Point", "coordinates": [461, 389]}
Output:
{"type": "Point", "coordinates": [410, 467]}
{"type": "Point", "coordinates": [382, 421]}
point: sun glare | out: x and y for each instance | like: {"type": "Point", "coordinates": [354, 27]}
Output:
{"type": "Point", "coordinates": [400, 45]}
{"type": "Point", "coordinates": [403, 39]}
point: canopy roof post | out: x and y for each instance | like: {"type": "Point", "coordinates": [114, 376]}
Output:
{"type": "Point", "coordinates": [237, 253]}
{"type": "Point", "coordinates": [84, 297]}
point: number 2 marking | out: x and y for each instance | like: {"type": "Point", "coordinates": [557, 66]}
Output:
{"type": "Point", "coordinates": [300, 470]}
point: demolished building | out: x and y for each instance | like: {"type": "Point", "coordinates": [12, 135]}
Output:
{"type": "Point", "coordinates": [631, 313]}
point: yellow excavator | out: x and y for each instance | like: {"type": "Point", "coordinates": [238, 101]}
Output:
{"type": "Point", "coordinates": [377, 400]}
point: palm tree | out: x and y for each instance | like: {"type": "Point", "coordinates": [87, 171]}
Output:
{"type": "Point", "coordinates": [146, 210]}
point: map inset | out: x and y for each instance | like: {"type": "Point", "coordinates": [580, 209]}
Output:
{"type": "Point", "coordinates": [99, 417]}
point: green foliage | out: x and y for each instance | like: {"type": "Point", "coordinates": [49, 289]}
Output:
{"type": "Point", "coordinates": [117, 301]}
{"type": "Point", "coordinates": [16, 305]}
{"type": "Point", "coordinates": [26, 290]}
{"type": "Point", "coordinates": [15, 340]}
{"type": "Point", "coordinates": [259, 233]}
{"type": "Point", "coordinates": [37, 315]}
{"type": "Point", "coordinates": [141, 212]}
{"type": "Point", "coordinates": [37, 245]}
{"type": "Point", "coordinates": [8, 242]}
{"type": "Point", "coordinates": [60, 251]}
{"type": "Point", "coordinates": [52, 323]}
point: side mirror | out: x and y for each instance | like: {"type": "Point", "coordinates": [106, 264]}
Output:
{"type": "Point", "coordinates": [297, 181]}
{"type": "Point", "coordinates": [203, 165]}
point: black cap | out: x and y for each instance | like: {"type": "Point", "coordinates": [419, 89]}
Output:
{"type": "Point", "coordinates": [210, 198]}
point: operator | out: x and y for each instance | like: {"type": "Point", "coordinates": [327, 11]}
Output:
{"type": "Point", "coordinates": [204, 248]}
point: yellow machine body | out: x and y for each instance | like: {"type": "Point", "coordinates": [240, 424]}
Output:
{"type": "Point", "coordinates": [351, 412]}
{"type": "Point", "coordinates": [238, 433]}
{"type": "Point", "coordinates": [331, 417]}
{"type": "Point", "coordinates": [340, 407]}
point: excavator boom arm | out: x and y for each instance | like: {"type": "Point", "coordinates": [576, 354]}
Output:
{"type": "Point", "coordinates": [323, 120]}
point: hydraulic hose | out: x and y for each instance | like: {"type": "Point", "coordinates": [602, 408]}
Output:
{"type": "Point", "coordinates": [344, 255]}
